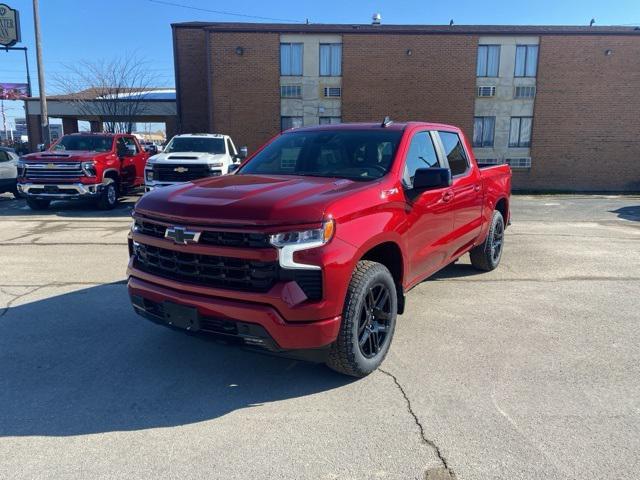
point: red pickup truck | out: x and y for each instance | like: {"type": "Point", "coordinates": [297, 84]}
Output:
{"type": "Point", "coordinates": [94, 166]}
{"type": "Point", "coordinates": [316, 239]}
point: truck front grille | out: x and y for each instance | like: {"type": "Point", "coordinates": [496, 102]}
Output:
{"type": "Point", "coordinates": [53, 171]}
{"type": "Point", "coordinates": [215, 271]}
{"type": "Point", "coordinates": [177, 172]}
{"type": "Point", "coordinates": [211, 237]}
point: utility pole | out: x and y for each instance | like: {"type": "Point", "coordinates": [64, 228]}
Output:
{"type": "Point", "coordinates": [44, 113]}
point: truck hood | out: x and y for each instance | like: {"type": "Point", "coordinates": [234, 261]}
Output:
{"type": "Point", "coordinates": [187, 157]}
{"type": "Point", "coordinates": [258, 200]}
{"type": "Point", "coordinates": [65, 156]}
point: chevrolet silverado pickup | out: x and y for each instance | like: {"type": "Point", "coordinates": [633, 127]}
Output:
{"type": "Point", "coordinates": [191, 156]}
{"type": "Point", "coordinates": [314, 242]}
{"type": "Point", "coordinates": [93, 166]}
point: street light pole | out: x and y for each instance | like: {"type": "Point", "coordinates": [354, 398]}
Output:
{"type": "Point", "coordinates": [46, 138]}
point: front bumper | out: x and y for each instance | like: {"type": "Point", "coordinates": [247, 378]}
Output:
{"type": "Point", "coordinates": [253, 324]}
{"type": "Point", "coordinates": [150, 185]}
{"type": "Point", "coordinates": [63, 191]}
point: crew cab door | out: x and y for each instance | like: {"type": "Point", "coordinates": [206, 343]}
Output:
{"type": "Point", "coordinates": [429, 218]}
{"type": "Point", "coordinates": [465, 194]}
{"type": "Point", "coordinates": [8, 168]}
{"type": "Point", "coordinates": [132, 159]}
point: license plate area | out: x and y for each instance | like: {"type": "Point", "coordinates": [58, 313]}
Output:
{"type": "Point", "coordinates": [51, 189]}
{"type": "Point", "coordinates": [181, 316]}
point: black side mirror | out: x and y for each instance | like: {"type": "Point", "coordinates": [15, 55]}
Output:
{"type": "Point", "coordinates": [243, 153]}
{"type": "Point", "coordinates": [431, 178]}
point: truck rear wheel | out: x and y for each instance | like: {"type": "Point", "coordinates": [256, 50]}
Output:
{"type": "Point", "coordinates": [38, 204]}
{"type": "Point", "coordinates": [368, 321]}
{"type": "Point", "coordinates": [109, 196]}
{"type": "Point", "coordinates": [487, 255]}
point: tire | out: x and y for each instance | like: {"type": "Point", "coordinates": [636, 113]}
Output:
{"type": "Point", "coordinates": [356, 352]}
{"type": "Point", "coordinates": [487, 255]}
{"type": "Point", "coordinates": [109, 197]}
{"type": "Point", "coordinates": [37, 204]}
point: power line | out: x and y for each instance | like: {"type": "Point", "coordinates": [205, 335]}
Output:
{"type": "Point", "coordinates": [221, 12]}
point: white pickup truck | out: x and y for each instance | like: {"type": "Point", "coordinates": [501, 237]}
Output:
{"type": "Point", "coordinates": [191, 156]}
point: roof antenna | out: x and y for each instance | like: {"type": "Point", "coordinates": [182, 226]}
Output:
{"type": "Point", "coordinates": [451, 22]}
{"type": "Point", "coordinates": [386, 122]}
{"type": "Point", "coordinates": [593, 20]}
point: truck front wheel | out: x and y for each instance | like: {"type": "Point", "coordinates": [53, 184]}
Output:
{"type": "Point", "coordinates": [487, 255]}
{"type": "Point", "coordinates": [368, 321]}
{"type": "Point", "coordinates": [37, 204]}
{"type": "Point", "coordinates": [109, 196]}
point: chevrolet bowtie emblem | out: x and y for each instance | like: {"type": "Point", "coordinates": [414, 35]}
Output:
{"type": "Point", "coordinates": [181, 169]}
{"type": "Point", "coordinates": [51, 165]}
{"type": "Point", "coordinates": [182, 235]}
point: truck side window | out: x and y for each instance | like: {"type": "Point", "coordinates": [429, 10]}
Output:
{"type": "Point", "coordinates": [458, 161]}
{"type": "Point", "coordinates": [4, 156]}
{"type": "Point", "coordinates": [421, 154]}
{"type": "Point", "coordinates": [131, 141]}
{"type": "Point", "coordinates": [232, 151]}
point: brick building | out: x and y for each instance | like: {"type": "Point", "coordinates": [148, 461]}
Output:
{"type": "Point", "coordinates": [560, 104]}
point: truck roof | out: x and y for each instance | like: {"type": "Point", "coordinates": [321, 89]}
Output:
{"type": "Point", "coordinates": [376, 126]}
{"type": "Point", "coordinates": [206, 135]}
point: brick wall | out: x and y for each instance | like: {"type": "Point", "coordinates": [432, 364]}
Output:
{"type": "Point", "coordinates": [586, 132]}
{"type": "Point", "coordinates": [435, 83]}
{"type": "Point", "coordinates": [191, 63]}
{"type": "Point", "coordinates": [245, 89]}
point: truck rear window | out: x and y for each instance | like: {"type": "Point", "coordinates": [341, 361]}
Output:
{"type": "Point", "coordinates": [353, 154]}
{"type": "Point", "coordinates": [82, 143]}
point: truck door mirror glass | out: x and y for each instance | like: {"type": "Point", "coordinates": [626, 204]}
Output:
{"type": "Point", "coordinates": [431, 178]}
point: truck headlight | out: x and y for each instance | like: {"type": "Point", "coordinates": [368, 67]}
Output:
{"type": "Point", "coordinates": [215, 165]}
{"type": "Point", "coordinates": [288, 243]}
{"type": "Point", "coordinates": [89, 168]}
{"type": "Point", "coordinates": [148, 174]}
{"type": "Point", "coordinates": [22, 168]}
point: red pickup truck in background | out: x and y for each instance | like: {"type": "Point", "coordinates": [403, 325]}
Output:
{"type": "Point", "coordinates": [316, 239]}
{"type": "Point", "coordinates": [94, 166]}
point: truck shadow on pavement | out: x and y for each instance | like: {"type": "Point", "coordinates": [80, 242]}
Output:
{"type": "Point", "coordinates": [10, 207]}
{"type": "Point", "coordinates": [628, 213]}
{"type": "Point", "coordinates": [83, 362]}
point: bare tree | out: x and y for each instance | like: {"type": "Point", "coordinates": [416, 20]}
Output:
{"type": "Point", "coordinates": [108, 91]}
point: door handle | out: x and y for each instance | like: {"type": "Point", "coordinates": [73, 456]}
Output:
{"type": "Point", "coordinates": [477, 188]}
{"type": "Point", "coordinates": [447, 196]}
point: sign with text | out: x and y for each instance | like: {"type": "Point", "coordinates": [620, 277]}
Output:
{"type": "Point", "coordinates": [13, 91]}
{"type": "Point", "coordinates": [9, 26]}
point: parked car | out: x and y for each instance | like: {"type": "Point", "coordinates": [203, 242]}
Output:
{"type": "Point", "coordinates": [191, 156]}
{"type": "Point", "coordinates": [316, 240]}
{"type": "Point", "coordinates": [150, 147]}
{"type": "Point", "coordinates": [93, 166]}
{"type": "Point", "coordinates": [8, 171]}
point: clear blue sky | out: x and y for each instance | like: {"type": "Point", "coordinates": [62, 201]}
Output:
{"type": "Point", "coordinates": [81, 29]}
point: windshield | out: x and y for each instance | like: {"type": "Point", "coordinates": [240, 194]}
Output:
{"type": "Point", "coordinates": [353, 154]}
{"type": "Point", "coordinates": [92, 143]}
{"type": "Point", "coordinates": [194, 144]}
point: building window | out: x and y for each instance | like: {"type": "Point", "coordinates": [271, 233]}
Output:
{"type": "Point", "coordinates": [524, 92]}
{"type": "Point", "coordinates": [456, 156]}
{"type": "Point", "coordinates": [330, 120]}
{"type": "Point", "coordinates": [335, 92]}
{"type": "Point", "coordinates": [526, 60]}
{"type": "Point", "coordinates": [291, 91]}
{"type": "Point", "coordinates": [330, 59]}
{"type": "Point", "coordinates": [291, 59]}
{"type": "Point", "coordinates": [488, 60]}
{"type": "Point", "coordinates": [290, 122]}
{"type": "Point", "coordinates": [486, 91]}
{"type": "Point", "coordinates": [520, 132]}
{"type": "Point", "coordinates": [483, 131]}
{"type": "Point", "coordinates": [519, 162]}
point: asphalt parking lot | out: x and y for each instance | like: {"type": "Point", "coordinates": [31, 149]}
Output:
{"type": "Point", "coordinates": [527, 372]}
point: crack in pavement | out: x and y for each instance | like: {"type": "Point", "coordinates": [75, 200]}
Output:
{"type": "Point", "coordinates": [17, 297]}
{"type": "Point", "coordinates": [445, 473]}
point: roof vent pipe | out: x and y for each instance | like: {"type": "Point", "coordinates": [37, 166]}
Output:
{"type": "Point", "coordinates": [376, 18]}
